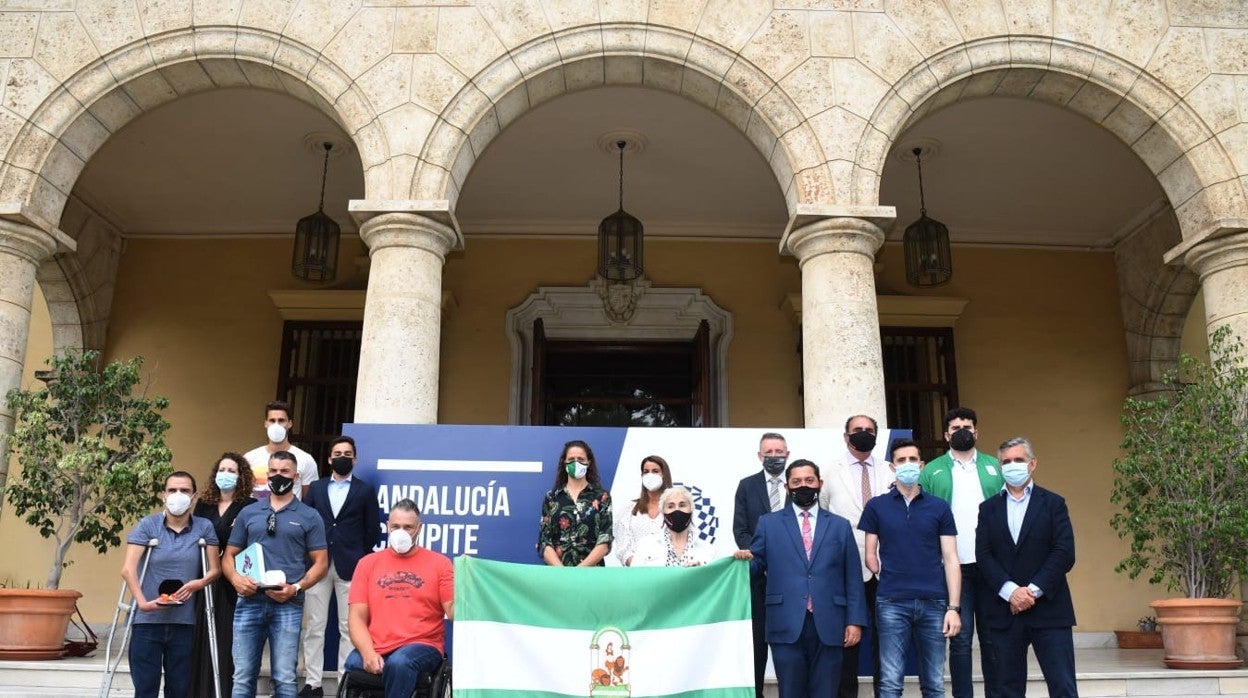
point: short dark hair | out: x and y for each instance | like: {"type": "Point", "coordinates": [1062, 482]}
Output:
{"type": "Point", "coordinates": [344, 439]}
{"type": "Point", "coordinates": [904, 443]}
{"type": "Point", "coordinates": [406, 505]}
{"type": "Point", "coordinates": [801, 463]}
{"type": "Point", "coordinates": [874, 424]}
{"type": "Point", "coordinates": [181, 473]}
{"type": "Point", "coordinates": [284, 455]}
{"type": "Point", "coordinates": [960, 413]}
{"type": "Point", "coordinates": [279, 405]}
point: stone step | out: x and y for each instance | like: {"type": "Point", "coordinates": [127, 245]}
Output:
{"type": "Point", "coordinates": [1102, 673]}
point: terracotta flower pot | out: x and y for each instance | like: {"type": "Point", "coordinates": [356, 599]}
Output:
{"type": "Point", "coordinates": [33, 622]}
{"type": "Point", "coordinates": [1198, 633]}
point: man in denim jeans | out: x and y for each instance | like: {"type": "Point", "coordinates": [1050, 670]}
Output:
{"type": "Point", "coordinates": [293, 539]}
{"type": "Point", "coordinates": [909, 536]}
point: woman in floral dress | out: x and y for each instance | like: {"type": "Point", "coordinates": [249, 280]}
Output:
{"type": "Point", "coordinates": [576, 514]}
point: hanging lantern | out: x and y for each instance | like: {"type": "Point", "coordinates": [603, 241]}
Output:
{"type": "Point", "coordinates": [929, 261]}
{"type": "Point", "coordinates": [620, 240]}
{"type": "Point", "coordinates": [315, 257]}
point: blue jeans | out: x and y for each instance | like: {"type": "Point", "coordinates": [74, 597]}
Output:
{"type": "Point", "coordinates": [899, 620]}
{"type": "Point", "coordinates": [960, 644]}
{"type": "Point", "coordinates": [256, 619]}
{"type": "Point", "coordinates": [157, 646]}
{"type": "Point", "coordinates": [401, 668]}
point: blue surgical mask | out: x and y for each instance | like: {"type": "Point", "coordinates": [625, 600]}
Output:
{"type": "Point", "coordinates": [1015, 474]}
{"type": "Point", "coordinates": [226, 481]}
{"type": "Point", "coordinates": [907, 473]}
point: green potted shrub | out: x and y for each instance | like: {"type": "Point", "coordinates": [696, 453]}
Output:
{"type": "Point", "coordinates": [1181, 485]}
{"type": "Point", "coordinates": [92, 454]}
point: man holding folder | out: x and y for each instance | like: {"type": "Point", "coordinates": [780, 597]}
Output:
{"type": "Point", "coordinates": [292, 537]}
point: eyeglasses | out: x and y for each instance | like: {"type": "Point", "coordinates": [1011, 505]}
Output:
{"type": "Point", "coordinates": [272, 524]}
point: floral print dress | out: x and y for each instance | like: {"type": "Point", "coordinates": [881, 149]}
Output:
{"type": "Point", "coordinates": [575, 527]}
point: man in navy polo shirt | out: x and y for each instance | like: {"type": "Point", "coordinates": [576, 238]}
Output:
{"type": "Point", "coordinates": [909, 536]}
{"type": "Point", "coordinates": [293, 538]}
{"type": "Point", "coordinates": [164, 627]}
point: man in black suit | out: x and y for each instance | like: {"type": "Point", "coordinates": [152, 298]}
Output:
{"type": "Point", "coordinates": [760, 493]}
{"type": "Point", "coordinates": [1024, 546]}
{"type": "Point", "coordinates": [348, 506]}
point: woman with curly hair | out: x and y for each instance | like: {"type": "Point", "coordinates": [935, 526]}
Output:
{"type": "Point", "coordinates": [576, 514]}
{"type": "Point", "coordinates": [229, 489]}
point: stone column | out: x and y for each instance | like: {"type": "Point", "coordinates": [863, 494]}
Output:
{"type": "Point", "coordinates": [22, 248]}
{"type": "Point", "coordinates": [1222, 264]}
{"type": "Point", "coordinates": [399, 356]}
{"type": "Point", "coordinates": [842, 370]}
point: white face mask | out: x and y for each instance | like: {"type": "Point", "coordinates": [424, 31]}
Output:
{"type": "Point", "coordinates": [276, 432]}
{"type": "Point", "coordinates": [652, 481]}
{"type": "Point", "coordinates": [400, 541]}
{"type": "Point", "coordinates": [177, 503]}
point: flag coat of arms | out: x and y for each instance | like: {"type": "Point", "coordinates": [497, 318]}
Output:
{"type": "Point", "coordinates": [530, 630]}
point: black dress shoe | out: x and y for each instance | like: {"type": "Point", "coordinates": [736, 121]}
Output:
{"type": "Point", "coordinates": [310, 691]}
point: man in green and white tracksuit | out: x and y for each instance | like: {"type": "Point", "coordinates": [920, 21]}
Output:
{"type": "Point", "coordinates": [964, 477]}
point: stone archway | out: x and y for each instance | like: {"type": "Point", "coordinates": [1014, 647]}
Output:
{"type": "Point", "coordinates": [623, 55]}
{"type": "Point", "coordinates": [1194, 171]}
{"type": "Point", "coordinates": [67, 128]}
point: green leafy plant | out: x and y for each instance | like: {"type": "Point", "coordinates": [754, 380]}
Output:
{"type": "Point", "coordinates": [1182, 481]}
{"type": "Point", "coordinates": [92, 453]}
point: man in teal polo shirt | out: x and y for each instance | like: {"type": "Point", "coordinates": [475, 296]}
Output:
{"type": "Point", "coordinates": [964, 477]}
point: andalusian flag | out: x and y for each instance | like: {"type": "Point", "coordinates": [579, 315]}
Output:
{"type": "Point", "coordinates": [531, 630]}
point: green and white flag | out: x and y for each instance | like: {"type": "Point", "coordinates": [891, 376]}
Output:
{"type": "Point", "coordinates": [531, 630]}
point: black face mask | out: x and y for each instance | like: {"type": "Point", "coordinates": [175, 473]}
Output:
{"type": "Point", "coordinates": [862, 441]}
{"type": "Point", "coordinates": [342, 465]}
{"type": "Point", "coordinates": [774, 465]}
{"type": "Point", "coordinates": [804, 496]}
{"type": "Point", "coordinates": [677, 520]}
{"type": "Point", "coordinates": [962, 440]}
{"type": "Point", "coordinates": [280, 484]}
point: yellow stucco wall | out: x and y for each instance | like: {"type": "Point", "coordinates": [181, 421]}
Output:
{"type": "Point", "coordinates": [1040, 352]}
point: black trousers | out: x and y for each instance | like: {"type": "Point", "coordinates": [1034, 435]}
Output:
{"type": "Point", "coordinates": [759, 611]}
{"type": "Point", "coordinates": [849, 666]}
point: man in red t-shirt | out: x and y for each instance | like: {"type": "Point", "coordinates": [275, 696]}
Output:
{"type": "Point", "coordinates": [398, 599]}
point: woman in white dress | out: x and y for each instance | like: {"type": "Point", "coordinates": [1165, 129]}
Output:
{"type": "Point", "coordinates": [678, 544]}
{"type": "Point", "coordinates": [645, 518]}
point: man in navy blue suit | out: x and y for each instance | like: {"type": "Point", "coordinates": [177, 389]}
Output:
{"type": "Point", "coordinates": [760, 493]}
{"type": "Point", "coordinates": [348, 506]}
{"type": "Point", "coordinates": [814, 594]}
{"type": "Point", "coordinates": [1024, 546]}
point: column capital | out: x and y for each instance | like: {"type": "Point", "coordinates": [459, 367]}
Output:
{"type": "Point", "coordinates": [436, 210]}
{"type": "Point", "coordinates": [29, 242]}
{"type": "Point", "coordinates": [1218, 254]}
{"type": "Point", "coordinates": [824, 235]}
{"type": "Point", "coordinates": [409, 230]}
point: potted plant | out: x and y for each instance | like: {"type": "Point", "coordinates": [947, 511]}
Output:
{"type": "Point", "coordinates": [1146, 637]}
{"type": "Point", "coordinates": [1180, 484]}
{"type": "Point", "coordinates": [91, 455]}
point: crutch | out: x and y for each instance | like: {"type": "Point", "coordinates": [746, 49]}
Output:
{"type": "Point", "coordinates": [210, 616]}
{"type": "Point", "coordinates": [110, 664]}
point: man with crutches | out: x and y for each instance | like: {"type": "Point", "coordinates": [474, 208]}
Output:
{"type": "Point", "coordinates": [173, 571]}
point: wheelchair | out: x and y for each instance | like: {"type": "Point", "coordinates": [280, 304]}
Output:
{"type": "Point", "coordinates": [358, 683]}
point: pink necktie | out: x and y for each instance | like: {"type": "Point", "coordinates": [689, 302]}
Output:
{"type": "Point", "coordinates": [809, 541]}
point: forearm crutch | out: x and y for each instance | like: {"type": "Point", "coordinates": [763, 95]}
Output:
{"type": "Point", "coordinates": [210, 617]}
{"type": "Point", "coordinates": [110, 664]}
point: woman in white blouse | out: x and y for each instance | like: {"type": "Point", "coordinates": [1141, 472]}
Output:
{"type": "Point", "coordinates": [645, 518]}
{"type": "Point", "coordinates": [678, 544]}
